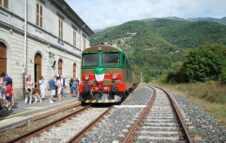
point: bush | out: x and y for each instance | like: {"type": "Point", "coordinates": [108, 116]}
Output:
{"type": "Point", "coordinates": [223, 78]}
{"type": "Point", "coordinates": [171, 77]}
{"type": "Point", "coordinates": [202, 64]}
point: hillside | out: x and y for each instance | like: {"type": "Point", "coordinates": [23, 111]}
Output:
{"type": "Point", "coordinates": [217, 20]}
{"type": "Point", "coordinates": [157, 46]}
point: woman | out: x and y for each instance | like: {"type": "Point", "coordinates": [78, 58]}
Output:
{"type": "Point", "coordinates": [2, 89]}
{"type": "Point", "coordinates": [29, 83]}
{"type": "Point", "coordinates": [28, 89]}
{"type": "Point", "coordinates": [42, 86]}
{"type": "Point", "coordinates": [59, 88]}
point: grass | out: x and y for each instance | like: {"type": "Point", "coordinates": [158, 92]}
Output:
{"type": "Point", "coordinates": [211, 96]}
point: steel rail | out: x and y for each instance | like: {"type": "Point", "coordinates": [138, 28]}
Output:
{"type": "Point", "coordinates": [129, 137]}
{"type": "Point", "coordinates": [179, 116]}
{"type": "Point", "coordinates": [82, 133]}
{"type": "Point", "coordinates": [27, 135]}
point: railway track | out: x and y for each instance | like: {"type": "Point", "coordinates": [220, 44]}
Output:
{"type": "Point", "coordinates": [67, 129]}
{"type": "Point", "coordinates": [160, 121]}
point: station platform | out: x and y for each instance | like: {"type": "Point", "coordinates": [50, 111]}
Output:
{"type": "Point", "coordinates": [22, 113]}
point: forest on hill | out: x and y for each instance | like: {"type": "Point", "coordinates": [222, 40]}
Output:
{"type": "Point", "coordinates": [157, 47]}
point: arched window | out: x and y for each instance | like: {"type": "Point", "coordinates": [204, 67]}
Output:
{"type": "Point", "coordinates": [3, 58]}
{"type": "Point", "coordinates": [60, 66]}
{"type": "Point", "coordinates": [74, 70]}
{"type": "Point", "coordinates": [38, 67]}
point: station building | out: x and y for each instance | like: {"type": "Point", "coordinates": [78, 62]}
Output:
{"type": "Point", "coordinates": [40, 38]}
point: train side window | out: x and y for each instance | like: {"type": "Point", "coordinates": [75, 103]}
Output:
{"type": "Point", "coordinates": [124, 60]}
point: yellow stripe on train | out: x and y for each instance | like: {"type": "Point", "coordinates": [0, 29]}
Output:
{"type": "Point", "coordinates": [99, 101]}
{"type": "Point", "coordinates": [88, 101]}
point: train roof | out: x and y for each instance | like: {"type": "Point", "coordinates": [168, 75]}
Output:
{"type": "Point", "coordinates": [103, 48]}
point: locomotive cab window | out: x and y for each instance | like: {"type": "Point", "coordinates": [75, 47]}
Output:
{"type": "Point", "coordinates": [90, 60]}
{"type": "Point", "coordinates": [111, 59]}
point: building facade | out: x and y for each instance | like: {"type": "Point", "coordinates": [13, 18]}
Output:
{"type": "Point", "coordinates": [40, 38]}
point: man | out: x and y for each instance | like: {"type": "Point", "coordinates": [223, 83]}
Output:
{"type": "Point", "coordinates": [52, 88]}
{"type": "Point", "coordinates": [9, 96]}
{"type": "Point", "coordinates": [8, 80]}
{"type": "Point", "coordinates": [55, 79]}
{"type": "Point", "coordinates": [63, 83]}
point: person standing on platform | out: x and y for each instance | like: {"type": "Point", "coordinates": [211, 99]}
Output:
{"type": "Point", "coordinates": [77, 89]}
{"type": "Point", "coordinates": [9, 81]}
{"type": "Point", "coordinates": [74, 87]}
{"type": "Point", "coordinates": [59, 88]}
{"type": "Point", "coordinates": [55, 80]}
{"type": "Point", "coordinates": [52, 88]}
{"type": "Point", "coordinates": [63, 83]}
{"type": "Point", "coordinates": [2, 90]}
{"type": "Point", "coordinates": [9, 96]}
{"type": "Point", "coordinates": [28, 88]}
{"type": "Point", "coordinates": [70, 84]}
{"type": "Point", "coordinates": [42, 86]}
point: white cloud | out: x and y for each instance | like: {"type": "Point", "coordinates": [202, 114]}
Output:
{"type": "Point", "coordinates": [104, 13]}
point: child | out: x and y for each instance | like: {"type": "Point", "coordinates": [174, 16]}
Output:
{"type": "Point", "coordinates": [77, 85]}
{"type": "Point", "coordinates": [9, 96]}
{"type": "Point", "coordinates": [74, 88]}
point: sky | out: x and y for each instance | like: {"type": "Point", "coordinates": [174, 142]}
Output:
{"type": "Point", "coordinates": [99, 14]}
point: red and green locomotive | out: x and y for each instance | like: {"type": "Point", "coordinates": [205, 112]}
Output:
{"type": "Point", "coordinates": [106, 75]}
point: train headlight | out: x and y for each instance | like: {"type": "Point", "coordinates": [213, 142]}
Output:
{"type": "Point", "coordinates": [87, 77]}
{"type": "Point", "coordinates": [114, 76]}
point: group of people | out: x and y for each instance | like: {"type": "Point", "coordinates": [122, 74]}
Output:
{"type": "Point", "coordinates": [57, 87]}
{"type": "Point", "coordinates": [6, 92]}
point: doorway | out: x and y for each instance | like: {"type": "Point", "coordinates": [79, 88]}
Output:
{"type": "Point", "coordinates": [38, 67]}
{"type": "Point", "coordinates": [3, 58]}
{"type": "Point", "coordinates": [60, 64]}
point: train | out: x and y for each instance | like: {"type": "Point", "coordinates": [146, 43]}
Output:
{"type": "Point", "coordinates": [106, 75]}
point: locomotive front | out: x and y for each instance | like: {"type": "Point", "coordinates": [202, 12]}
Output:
{"type": "Point", "coordinates": [104, 75]}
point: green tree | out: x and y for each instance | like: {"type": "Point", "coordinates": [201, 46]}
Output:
{"type": "Point", "coordinates": [202, 64]}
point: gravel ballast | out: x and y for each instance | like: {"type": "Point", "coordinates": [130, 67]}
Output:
{"type": "Point", "coordinates": [115, 126]}
{"type": "Point", "coordinates": [67, 129]}
{"type": "Point", "coordinates": [204, 125]}
{"type": "Point", "coordinates": [139, 97]}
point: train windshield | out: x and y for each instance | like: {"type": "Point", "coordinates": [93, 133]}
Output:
{"type": "Point", "coordinates": [111, 59]}
{"type": "Point", "coordinates": [90, 60]}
